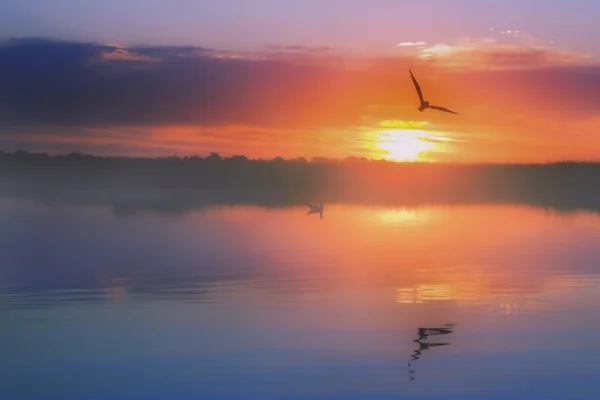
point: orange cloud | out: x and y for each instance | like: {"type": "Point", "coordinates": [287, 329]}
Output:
{"type": "Point", "coordinates": [518, 102]}
{"type": "Point", "coordinates": [488, 53]}
{"type": "Point", "coordinates": [121, 53]}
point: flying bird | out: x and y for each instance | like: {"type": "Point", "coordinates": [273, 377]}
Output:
{"type": "Point", "coordinates": [425, 104]}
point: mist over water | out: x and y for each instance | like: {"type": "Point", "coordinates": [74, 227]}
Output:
{"type": "Point", "coordinates": [180, 184]}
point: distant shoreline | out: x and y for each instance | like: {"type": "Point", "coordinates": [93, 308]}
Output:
{"type": "Point", "coordinates": [196, 182]}
{"type": "Point", "coordinates": [23, 154]}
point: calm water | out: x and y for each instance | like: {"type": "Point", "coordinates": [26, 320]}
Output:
{"type": "Point", "coordinates": [247, 302]}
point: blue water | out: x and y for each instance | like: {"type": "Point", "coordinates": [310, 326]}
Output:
{"type": "Point", "coordinates": [257, 303]}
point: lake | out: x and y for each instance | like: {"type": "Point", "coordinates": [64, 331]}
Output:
{"type": "Point", "coordinates": [452, 302]}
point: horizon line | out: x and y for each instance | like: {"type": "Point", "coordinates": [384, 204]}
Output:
{"type": "Point", "coordinates": [313, 159]}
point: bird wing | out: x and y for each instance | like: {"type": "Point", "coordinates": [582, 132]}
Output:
{"type": "Point", "coordinates": [416, 86]}
{"type": "Point", "coordinates": [442, 109]}
{"type": "Point", "coordinates": [313, 209]}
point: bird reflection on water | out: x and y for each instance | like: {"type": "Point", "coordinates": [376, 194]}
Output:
{"type": "Point", "coordinates": [423, 334]}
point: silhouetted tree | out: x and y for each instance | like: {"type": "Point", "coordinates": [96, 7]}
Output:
{"type": "Point", "coordinates": [238, 178]}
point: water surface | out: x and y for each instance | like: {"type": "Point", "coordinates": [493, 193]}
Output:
{"type": "Point", "coordinates": [251, 302]}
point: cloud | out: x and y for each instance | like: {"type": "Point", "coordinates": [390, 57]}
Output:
{"type": "Point", "coordinates": [65, 91]}
{"type": "Point", "coordinates": [411, 44]}
{"type": "Point", "coordinates": [489, 53]}
{"type": "Point", "coordinates": [437, 50]}
{"type": "Point", "coordinates": [309, 49]}
{"type": "Point", "coordinates": [119, 53]}
{"type": "Point", "coordinates": [74, 84]}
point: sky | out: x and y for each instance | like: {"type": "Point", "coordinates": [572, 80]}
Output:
{"type": "Point", "coordinates": [268, 78]}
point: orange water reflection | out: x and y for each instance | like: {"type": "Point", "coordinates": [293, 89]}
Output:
{"type": "Point", "coordinates": [231, 295]}
{"type": "Point", "coordinates": [508, 257]}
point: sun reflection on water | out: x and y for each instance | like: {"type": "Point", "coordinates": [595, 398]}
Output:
{"type": "Point", "coordinates": [481, 293]}
{"type": "Point", "coordinates": [404, 216]}
{"type": "Point", "coordinates": [423, 293]}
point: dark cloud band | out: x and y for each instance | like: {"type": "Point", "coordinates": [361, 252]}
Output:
{"type": "Point", "coordinates": [50, 83]}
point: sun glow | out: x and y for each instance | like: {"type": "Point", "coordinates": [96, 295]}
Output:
{"type": "Point", "coordinates": [403, 144]}
{"type": "Point", "coordinates": [406, 141]}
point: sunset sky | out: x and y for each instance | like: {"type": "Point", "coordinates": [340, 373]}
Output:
{"type": "Point", "coordinates": [302, 78]}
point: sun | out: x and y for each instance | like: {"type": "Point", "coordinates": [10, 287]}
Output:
{"type": "Point", "coordinates": [403, 144]}
{"type": "Point", "coordinates": [406, 141]}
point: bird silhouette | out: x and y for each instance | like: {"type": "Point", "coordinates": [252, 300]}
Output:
{"type": "Point", "coordinates": [425, 104]}
{"type": "Point", "coordinates": [315, 209]}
